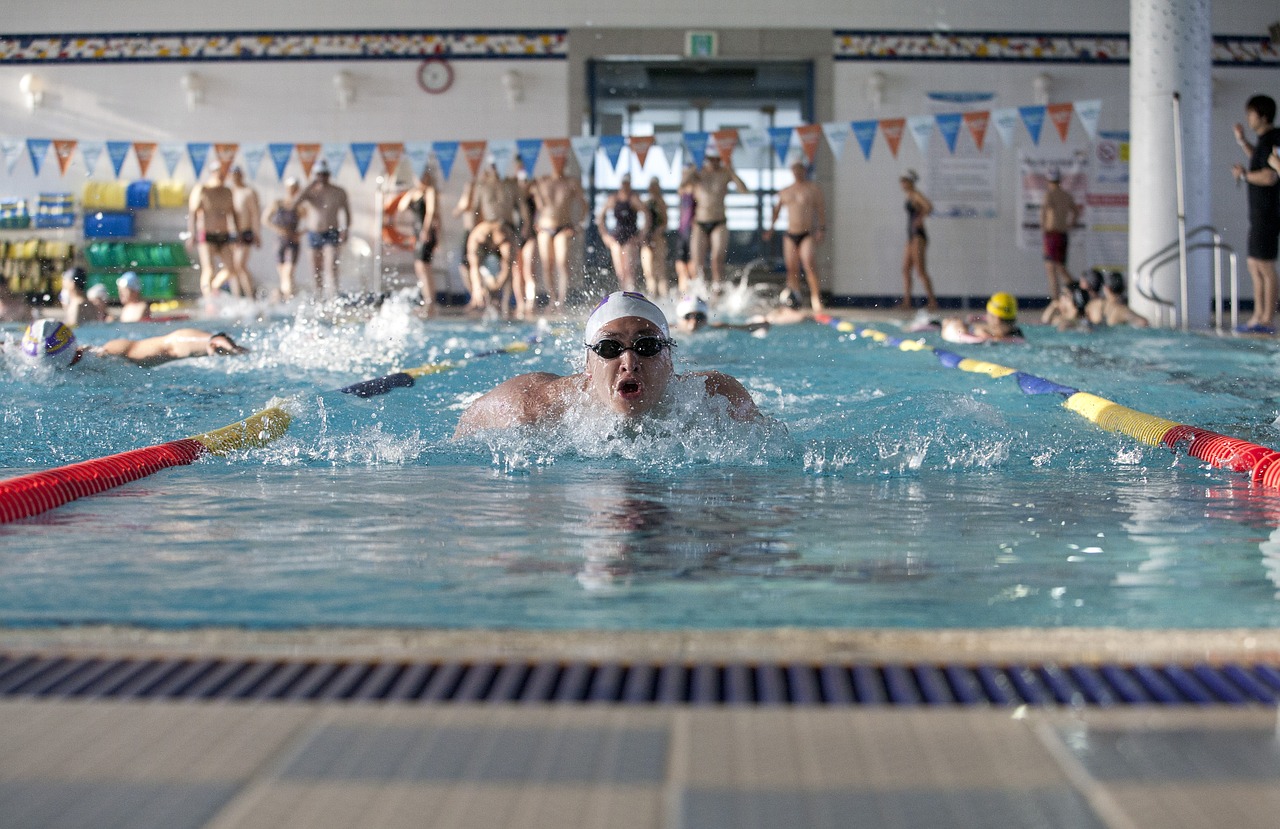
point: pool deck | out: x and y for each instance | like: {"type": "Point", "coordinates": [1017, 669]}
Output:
{"type": "Point", "coordinates": [73, 762]}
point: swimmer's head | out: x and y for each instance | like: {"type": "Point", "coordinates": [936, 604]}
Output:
{"type": "Point", "coordinates": [129, 281]}
{"type": "Point", "coordinates": [50, 341]}
{"type": "Point", "coordinates": [98, 293]}
{"type": "Point", "coordinates": [1115, 283]}
{"type": "Point", "coordinates": [1094, 280]}
{"type": "Point", "coordinates": [909, 177]}
{"type": "Point", "coordinates": [291, 182]}
{"type": "Point", "coordinates": [790, 298]}
{"type": "Point", "coordinates": [621, 304]}
{"type": "Point", "coordinates": [322, 168]}
{"type": "Point", "coordinates": [1003, 306]}
{"type": "Point", "coordinates": [1055, 176]}
{"type": "Point", "coordinates": [691, 312]}
{"type": "Point", "coordinates": [76, 277]}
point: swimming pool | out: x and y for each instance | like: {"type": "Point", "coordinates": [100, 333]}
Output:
{"type": "Point", "coordinates": [890, 492]}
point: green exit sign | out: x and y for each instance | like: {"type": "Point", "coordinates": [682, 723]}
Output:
{"type": "Point", "coordinates": [700, 44]}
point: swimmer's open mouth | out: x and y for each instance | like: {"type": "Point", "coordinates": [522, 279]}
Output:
{"type": "Point", "coordinates": [628, 388]}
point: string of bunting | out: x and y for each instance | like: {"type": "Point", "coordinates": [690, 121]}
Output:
{"type": "Point", "coordinates": [505, 152]}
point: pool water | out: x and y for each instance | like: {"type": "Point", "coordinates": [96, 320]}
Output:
{"type": "Point", "coordinates": [888, 491]}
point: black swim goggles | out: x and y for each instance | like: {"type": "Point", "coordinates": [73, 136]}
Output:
{"type": "Point", "coordinates": [647, 346]}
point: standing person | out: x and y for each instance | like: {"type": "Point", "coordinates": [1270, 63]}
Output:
{"type": "Point", "coordinates": [465, 209]}
{"type": "Point", "coordinates": [710, 227]}
{"type": "Point", "coordinates": [529, 245]}
{"type": "Point", "coordinates": [913, 254]}
{"type": "Point", "coordinates": [806, 224]}
{"type": "Point", "coordinates": [653, 250]}
{"type": "Point", "coordinates": [249, 219]}
{"type": "Point", "coordinates": [623, 238]}
{"type": "Point", "coordinates": [562, 208]}
{"type": "Point", "coordinates": [422, 201]}
{"type": "Point", "coordinates": [1058, 214]}
{"type": "Point", "coordinates": [283, 216]}
{"type": "Point", "coordinates": [1264, 209]}
{"type": "Point", "coordinates": [327, 222]}
{"type": "Point", "coordinates": [495, 201]}
{"type": "Point", "coordinates": [684, 231]}
{"type": "Point", "coordinates": [212, 224]}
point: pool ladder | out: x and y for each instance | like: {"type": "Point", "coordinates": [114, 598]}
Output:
{"type": "Point", "coordinates": [1205, 237]}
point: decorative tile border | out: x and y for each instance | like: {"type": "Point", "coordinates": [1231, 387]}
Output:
{"type": "Point", "coordinates": [255, 46]}
{"type": "Point", "coordinates": [1039, 47]}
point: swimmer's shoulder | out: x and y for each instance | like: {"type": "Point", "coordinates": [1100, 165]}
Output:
{"type": "Point", "coordinates": [718, 384]}
{"type": "Point", "coordinates": [524, 399]}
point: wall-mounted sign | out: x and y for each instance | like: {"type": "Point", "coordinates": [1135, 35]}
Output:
{"type": "Point", "coordinates": [701, 44]}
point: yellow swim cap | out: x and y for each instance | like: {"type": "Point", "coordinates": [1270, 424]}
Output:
{"type": "Point", "coordinates": [1003, 306]}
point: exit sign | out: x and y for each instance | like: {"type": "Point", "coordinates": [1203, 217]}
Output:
{"type": "Point", "coordinates": [701, 44]}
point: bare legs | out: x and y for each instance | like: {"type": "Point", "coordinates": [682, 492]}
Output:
{"type": "Point", "coordinates": [913, 259]}
{"type": "Point", "coordinates": [553, 247]}
{"type": "Point", "coordinates": [1263, 273]}
{"type": "Point", "coordinates": [653, 262]}
{"type": "Point", "coordinates": [800, 257]}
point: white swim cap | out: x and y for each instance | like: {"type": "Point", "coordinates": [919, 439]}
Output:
{"type": "Point", "coordinates": [621, 304]}
{"type": "Point", "coordinates": [691, 304]}
{"type": "Point", "coordinates": [129, 280]}
{"type": "Point", "coordinates": [98, 291]}
{"type": "Point", "coordinates": [49, 339]}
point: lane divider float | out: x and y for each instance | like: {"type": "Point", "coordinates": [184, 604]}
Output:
{"type": "Point", "coordinates": [1220, 451]}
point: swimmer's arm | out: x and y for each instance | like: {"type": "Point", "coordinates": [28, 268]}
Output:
{"type": "Point", "coordinates": [521, 400]}
{"type": "Point", "coordinates": [741, 406]}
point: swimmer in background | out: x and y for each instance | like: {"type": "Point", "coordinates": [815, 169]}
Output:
{"type": "Point", "coordinates": [496, 206]}
{"type": "Point", "coordinates": [693, 315]}
{"type": "Point", "coordinates": [806, 224]}
{"type": "Point", "coordinates": [422, 202]}
{"type": "Point", "coordinates": [913, 253]}
{"type": "Point", "coordinates": [710, 227]}
{"type": "Point", "coordinates": [52, 343]}
{"type": "Point", "coordinates": [629, 373]}
{"type": "Point", "coordinates": [789, 310]}
{"type": "Point", "coordinates": [653, 247]}
{"type": "Point", "coordinates": [1071, 307]}
{"type": "Point", "coordinates": [328, 220]}
{"type": "Point", "coordinates": [684, 232]}
{"type": "Point", "coordinates": [466, 210]}
{"type": "Point", "coordinates": [1059, 213]}
{"type": "Point", "coordinates": [623, 239]}
{"type": "Point", "coordinates": [1115, 303]}
{"type": "Point", "coordinates": [248, 217]}
{"type": "Point", "coordinates": [283, 216]}
{"type": "Point", "coordinates": [1000, 324]}
{"type": "Point", "coordinates": [212, 225]}
{"type": "Point", "coordinates": [77, 304]}
{"type": "Point", "coordinates": [562, 210]}
{"type": "Point", "coordinates": [133, 308]}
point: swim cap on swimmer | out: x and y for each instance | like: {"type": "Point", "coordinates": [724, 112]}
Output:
{"type": "Point", "coordinates": [1003, 305]}
{"type": "Point", "coordinates": [322, 167]}
{"type": "Point", "coordinates": [621, 304]}
{"type": "Point", "coordinates": [49, 339]}
{"type": "Point", "coordinates": [130, 280]}
{"type": "Point", "coordinates": [98, 292]}
{"type": "Point", "coordinates": [691, 304]}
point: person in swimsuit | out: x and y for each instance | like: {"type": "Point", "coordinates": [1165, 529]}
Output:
{"type": "Point", "coordinates": [133, 308]}
{"type": "Point", "coordinates": [77, 305]}
{"type": "Point", "coordinates": [710, 239]}
{"type": "Point", "coordinates": [283, 216]}
{"type": "Point", "coordinates": [1058, 214]}
{"type": "Point", "coordinates": [465, 209]}
{"type": "Point", "coordinates": [623, 238]}
{"type": "Point", "coordinates": [212, 224]}
{"type": "Point", "coordinates": [422, 201]}
{"type": "Point", "coordinates": [653, 250]}
{"type": "Point", "coordinates": [1264, 209]}
{"type": "Point", "coordinates": [913, 254]}
{"type": "Point", "coordinates": [1115, 303]}
{"type": "Point", "coordinates": [53, 344]}
{"type": "Point", "coordinates": [1000, 324]}
{"type": "Point", "coordinates": [806, 225]}
{"type": "Point", "coordinates": [562, 209]}
{"type": "Point", "coordinates": [248, 219]}
{"type": "Point", "coordinates": [684, 232]}
{"type": "Point", "coordinates": [530, 263]}
{"type": "Point", "coordinates": [328, 219]}
{"type": "Point", "coordinates": [496, 203]}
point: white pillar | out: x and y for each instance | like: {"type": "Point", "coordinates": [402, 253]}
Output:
{"type": "Point", "coordinates": [1170, 50]}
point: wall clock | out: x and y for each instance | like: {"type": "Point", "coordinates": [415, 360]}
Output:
{"type": "Point", "coordinates": [435, 75]}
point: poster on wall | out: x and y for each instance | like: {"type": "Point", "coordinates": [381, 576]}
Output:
{"type": "Point", "coordinates": [1107, 212]}
{"type": "Point", "coordinates": [961, 168]}
{"type": "Point", "coordinates": [1034, 166]}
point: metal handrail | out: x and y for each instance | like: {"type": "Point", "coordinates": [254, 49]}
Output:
{"type": "Point", "coordinates": [1144, 275]}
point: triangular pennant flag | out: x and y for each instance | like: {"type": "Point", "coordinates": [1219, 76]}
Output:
{"type": "Point", "coordinates": [391, 153]}
{"type": "Point", "coordinates": [1033, 119]}
{"type": "Point", "coordinates": [253, 152]}
{"type": "Point", "coordinates": [280, 154]}
{"type": "Point", "coordinates": [503, 153]}
{"type": "Point", "coordinates": [226, 154]}
{"type": "Point", "coordinates": [697, 144]}
{"type": "Point", "coordinates": [810, 135]}
{"type": "Point", "coordinates": [307, 155]}
{"type": "Point", "coordinates": [837, 133]}
{"type": "Point", "coordinates": [949, 126]}
{"type": "Point", "coordinates": [865, 132]}
{"type": "Point", "coordinates": [640, 145]}
{"type": "Point", "coordinates": [199, 153]}
{"type": "Point", "coordinates": [446, 152]}
{"type": "Point", "coordinates": [557, 153]}
{"type": "Point", "coordinates": [977, 124]}
{"type": "Point", "coordinates": [473, 152]}
{"type": "Point", "coordinates": [92, 151]}
{"type": "Point", "coordinates": [362, 152]}
{"type": "Point", "coordinates": [1089, 111]}
{"type": "Point", "coordinates": [891, 129]}
{"type": "Point", "coordinates": [1060, 115]}
{"type": "Point", "coordinates": [118, 151]}
{"type": "Point", "coordinates": [11, 148]}
{"type": "Point", "coordinates": [921, 129]}
{"type": "Point", "coordinates": [584, 149]}
{"type": "Point", "coordinates": [753, 142]}
{"type": "Point", "coordinates": [529, 149]}
{"type": "Point", "coordinates": [38, 148]}
{"type": "Point", "coordinates": [670, 143]}
{"type": "Point", "coordinates": [145, 151]}
{"type": "Point", "coordinates": [612, 146]}
{"type": "Point", "coordinates": [726, 142]}
{"type": "Point", "coordinates": [1005, 120]}
{"type": "Point", "coordinates": [63, 150]}
{"type": "Point", "coordinates": [334, 155]}
{"type": "Point", "coordinates": [171, 152]}
{"type": "Point", "coordinates": [780, 137]}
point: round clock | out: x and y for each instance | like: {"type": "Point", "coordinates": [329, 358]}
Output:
{"type": "Point", "coordinates": [435, 75]}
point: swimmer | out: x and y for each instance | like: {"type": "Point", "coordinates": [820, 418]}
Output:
{"type": "Point", "coordinates": [1070, 309]}
{"type": "Point", "coordinates": [81, 304]}
{"type": "Point", "coordinates": [53, 343]}
{"type": "Point", "coordinates": [1115, 303]}
{"type": "Point", "coordinates": [212, 226]}
{"type": "Point", "coordinates": [806, 223]}
{"type": "Point", "coordinates": [692, 315]}
{"type": "Point", "coordinates": [789, 310]}
{"type": "Point", "coordinates": [710, 239]}
{"type": "Point", "coordinates": [133, 308]}
{"type": "Point", "coordinates": [999, 326]}
{"type": "Point", "coordinates": [628, 373]}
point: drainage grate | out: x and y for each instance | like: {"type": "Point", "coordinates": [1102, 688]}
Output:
{"type": "Point", "coordinates": [638, 683]}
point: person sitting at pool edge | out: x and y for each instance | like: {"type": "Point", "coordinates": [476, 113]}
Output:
{"type": "Point", "coordinates": [999, 326]}
{"type": "Point", "coordinates": [53, 342]}
{"type": "Point", "coordinates": [692, 316]}
{"type": "Point", "coordinates": [629, 372]}
{"type": "Point", "coordinates": [133, 308]}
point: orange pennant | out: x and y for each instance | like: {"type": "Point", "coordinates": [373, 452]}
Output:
{"type": "Point", "coordinates": [1060, 114]}
{"type": "Point", "coordinates": [891, 129]}
{"type": "Point", "coordinates": [558, 151]}
{"type": "Point", "coordinates": [391, 154]}
{"type": "Point", "coordinates": [810, 136]}
{"type": "Point", "coordinates": [640, 145]}
{"type": "Point", "coordinates": [307, 155]}
{"type": "Point", "coordinates": [63, 148]}
{"type": "Point", "coordinates": [145, 151]}
{"type": "Point", "coordinates": [473, 152]}
{"type": "Point", "coordinates": [977, 124]}
{"type": "Point", "coordinates": [226, 154]}
{"type": "Point", "coordinates": [726, 141]}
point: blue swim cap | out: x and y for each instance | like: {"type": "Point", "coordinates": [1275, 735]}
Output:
{"type": "Point", "coordinates": [49, 339]}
